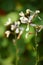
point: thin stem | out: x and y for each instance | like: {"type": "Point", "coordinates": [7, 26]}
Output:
{"type": "Point", "coordinates": [16, 50]}
{"type": "Point", "coordinates": [36, 47]}
{"type": "Point", "coordinates": [16, 55]}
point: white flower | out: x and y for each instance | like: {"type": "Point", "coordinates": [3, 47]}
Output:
{"type": "Point", "coordinates": [28, 11]}
{"type": "Point", "coordinates": [17, 30]}
{"type": "Point", "coordinates": [7, 33]}
{"type": "Point", "coordinates": [24, 20]}
{"type": "Point", "coordinates": [37, 11]}
{"type": "Point", "coordinates": [12, 27]}
{"type": "Point", "coordinates": [8, 22]}
{"type": "Point", "coordinates": [30, 18]}
{"type": "Point", "coordinates": [21, 13]}
{"type": "Point", "coordinates": [26, 36]}
{"type": "Point", "coordinates": [18, 22]}
{"type": "Point", "coordinates": [15, 25]}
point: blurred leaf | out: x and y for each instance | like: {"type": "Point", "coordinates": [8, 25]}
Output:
{"type": "Point", "coordinates": [2, 29]}
{"type": "Point", "coordinates": [12, 15]}
{"type": "Point", "coordinates": [4, 43]}
{"type": "Point", "coordinates": [8, 61]}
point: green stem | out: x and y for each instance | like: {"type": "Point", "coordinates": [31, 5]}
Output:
{"type": "Point", "coordinates": [16, 50]}
{"type": "Point", "coordinates": [36, 48]}
{"type": "Point", "coordinates": [16, 55]}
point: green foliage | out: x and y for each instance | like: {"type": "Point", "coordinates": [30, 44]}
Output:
{"type": "Point", "coordinates": [27, 53]}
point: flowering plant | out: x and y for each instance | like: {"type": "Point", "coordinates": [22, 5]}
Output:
{"type": "Point", "coordinates": [15, 30]}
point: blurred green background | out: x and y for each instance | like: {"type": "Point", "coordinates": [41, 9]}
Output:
{"type": "Point", "coordinates": [27, 54]}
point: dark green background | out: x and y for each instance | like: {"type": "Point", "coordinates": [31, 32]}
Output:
{"type": "Point", "coordinates": [11, 8]}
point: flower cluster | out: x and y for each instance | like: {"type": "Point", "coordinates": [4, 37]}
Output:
{"type": "Point", "coordinates": [15, 30]}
